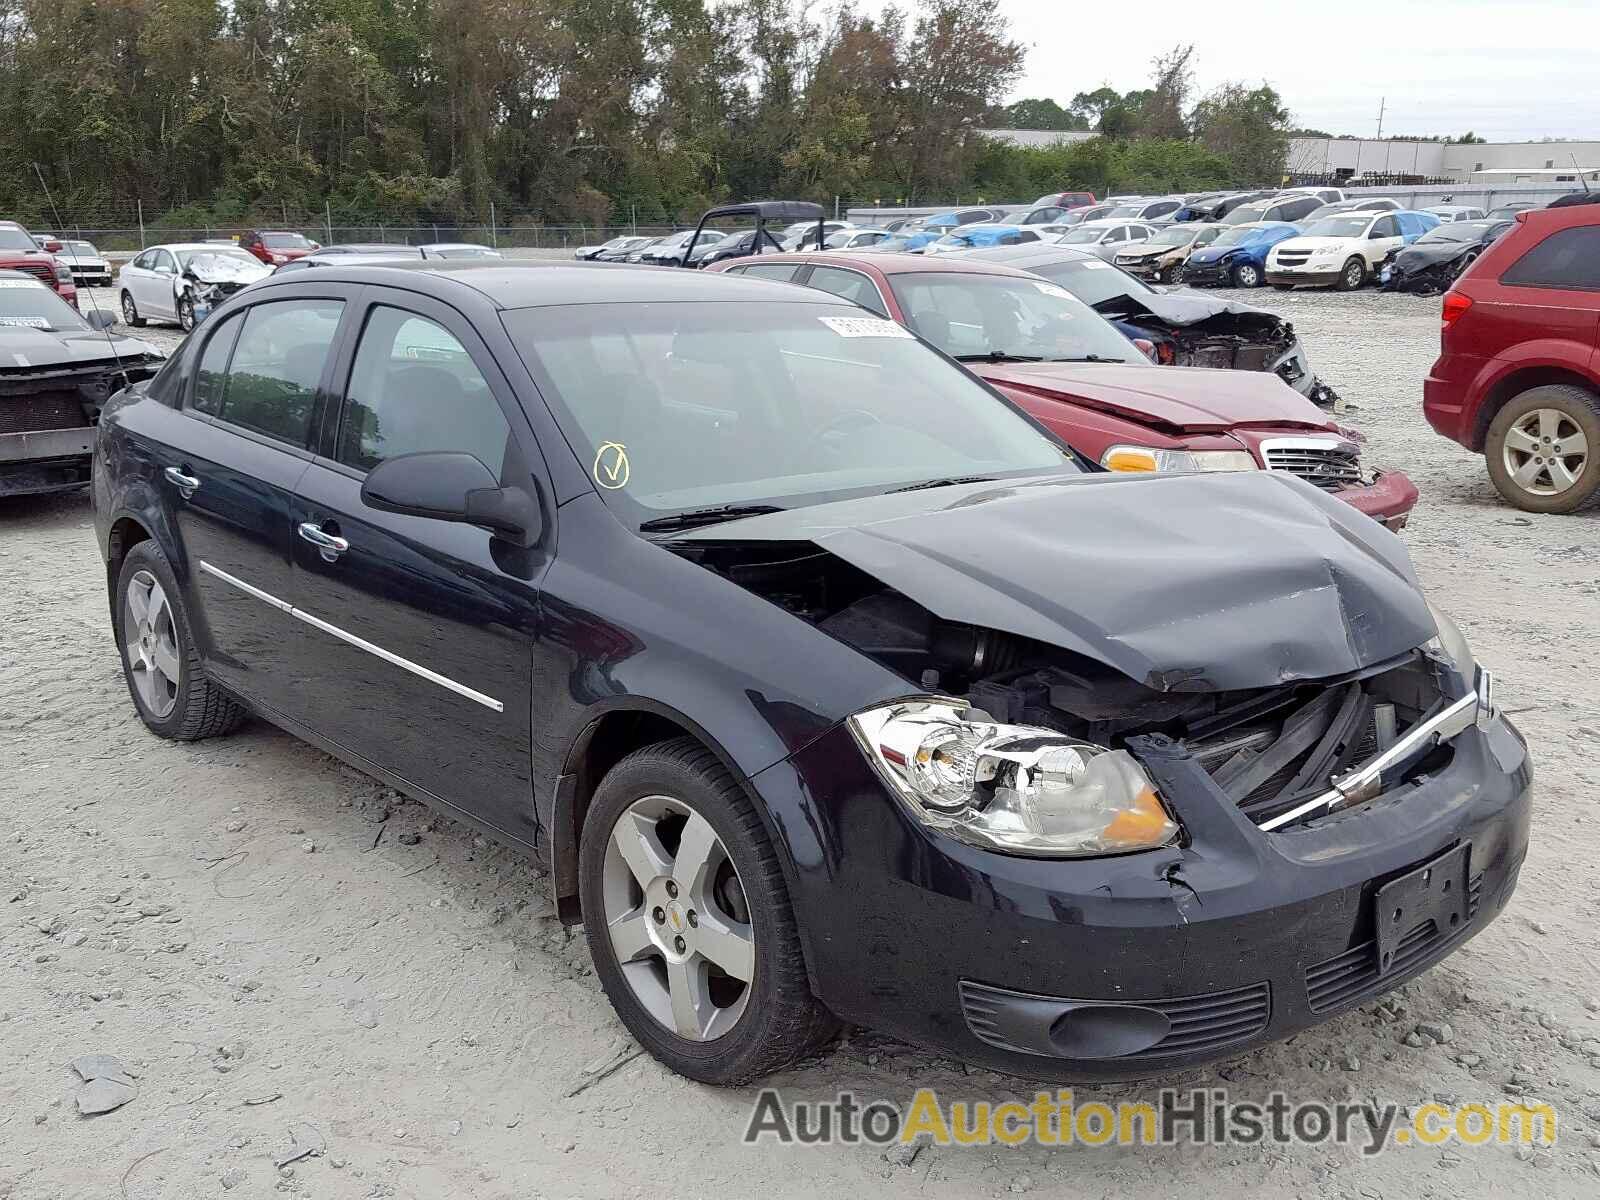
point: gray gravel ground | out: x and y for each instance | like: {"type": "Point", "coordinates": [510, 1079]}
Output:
{"type": "Point", "coordinates": [242, 922]}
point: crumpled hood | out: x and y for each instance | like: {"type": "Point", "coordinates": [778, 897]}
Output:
{"type": "Point", "coordinates": [1182, 582]}
{"type": "Point", "coordinates": [1180, 399]}
{"type": "Point", "coordinates": [1314, 244]}
{"type": "Point", "coordinates": [1185, 306]}
{"type": "Point", "coordinates": [21, 347]}
{"type": "Point", "coordinates": [1420, 258]}
{"type": "Point", "coordinates": [225, 268]}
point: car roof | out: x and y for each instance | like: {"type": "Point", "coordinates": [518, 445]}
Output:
{"type": "Point", "coordinates": [192, 246]}
{"type": "Point", "coordinates": [1031, 254]}
{"type": "Point", "coordinates": [908, 264]}
{"type": "Point", "coordinates": [538, 283]}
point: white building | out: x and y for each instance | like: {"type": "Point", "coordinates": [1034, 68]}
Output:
{"type": "Point", "coordinates": [1443, 160]}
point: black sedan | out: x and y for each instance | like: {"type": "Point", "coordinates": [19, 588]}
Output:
{"type": "Point", "coordinates": [1432, 262]}
{"type": "Point", "coordinates": [825, 683]}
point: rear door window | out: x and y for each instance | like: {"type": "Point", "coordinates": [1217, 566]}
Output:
{"type": "Point", "coordinates": [277, 364]}
{"type": "Point", "coordinates": [1568, 259]}
{"type": "Point", "coordinates": [848, 285]}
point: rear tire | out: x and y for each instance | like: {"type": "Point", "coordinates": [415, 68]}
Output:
{"type": "Point", "coordinates": [152, 629]}
{"type": "Point", "coordinates": [678, 792]}
{"type": "Point", "coordinates": [1543, 449]}
{"type": "Point", "coordinates": [1353, 274]}
{"type": "Point", "coordinates": [130, 311]}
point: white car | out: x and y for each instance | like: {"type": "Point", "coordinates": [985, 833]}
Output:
{"type": "Point", "coordinates": [1103, 238]}
{"type": "Point", "coordinates": [1343, 250]}
{"type": "Point", "coordinates": [88, 268]}
{"type": "Point", "coordinates": [1289, 207]}
{"type": "Point", "coordinates": [183, 281]}
{"type": "Point", "coordinates": [1148, 209]}
{"type": "Point", "coordinates": [1445, 212]}
{"type": "Point", "coordinates": [802, 235]}
{"type": "Point", "coordinates": [855, 239]}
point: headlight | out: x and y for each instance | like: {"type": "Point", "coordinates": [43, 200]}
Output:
{"type": "Point", "coordinates": [63, 272]}
{"type": "Point", "coordinates": [1148, 458]}
{"type": "Point", "coordinates": [1451, 643]}
{"type": "Point", "coordinates": [1013, 788]}
{"type": "Point", "coordinates": [1324, 251]}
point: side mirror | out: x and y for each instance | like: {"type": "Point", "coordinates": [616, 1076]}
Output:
{"type": "Point", "coordinates": [100, 319]}
{"type": "Point", "coordinates": [52, 247]}
{"type": "Point", "coordinates": [1147, 348]}
{"type": "Point", "coordinates": [451, 486]}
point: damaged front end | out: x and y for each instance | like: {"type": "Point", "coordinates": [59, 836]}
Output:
{"type": "Point", "coordinates": [1164, 786]}
{"type": "Point", "coordinates": [212, 278]}
{"type": "Point", "coordinates": [1201, 331]}
{"type": "Point", "coordinates": [48, 415]}
{"type": "Point", "coordinates": [1421, 277]}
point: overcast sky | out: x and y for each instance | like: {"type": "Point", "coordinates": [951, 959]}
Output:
{"type": "Point", "coordinates": [1510, 70]}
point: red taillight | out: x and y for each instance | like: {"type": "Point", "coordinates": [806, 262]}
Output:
{"type": "Point", "coordinates": [1455, 304]}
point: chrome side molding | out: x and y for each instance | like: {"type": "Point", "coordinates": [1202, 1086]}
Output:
{"type": "Point", "coordinates": [344, 635]}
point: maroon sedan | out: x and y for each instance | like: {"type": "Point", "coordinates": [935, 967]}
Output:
{"type": "Point", "coordinates": [1075, 373]}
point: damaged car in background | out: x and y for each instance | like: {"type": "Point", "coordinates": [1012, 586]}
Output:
{"type": "Point", "coordinates": [184, 281]}
{"type": "Point", "coordinates": [1186, 327]}
{"type": "Point", "coordinates": [56, 371]}
{"type": "Point", "coordinates": [1080, 376]}
{"type": "Point", "coordinates": [828, 686]}
{"type": "Point", "coordinates": [1434, 261]}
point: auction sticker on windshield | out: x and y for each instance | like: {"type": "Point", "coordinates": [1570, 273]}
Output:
{"type": "Point", "coordinates": [25, 322]}
{"type": "Point", "coordinates": [1056, 290]}
{"type": "Point", "coordinates": [856, 327]}
{"type": "Point", "coordinates": [20, 283]}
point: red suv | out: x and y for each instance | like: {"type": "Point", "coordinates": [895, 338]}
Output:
{"type": "Point", "coordinates": [20, 252]}
{"type": "Point", "coordinates": [276, 247]}
{"type": "Point", "coordinates": [1518, 376]}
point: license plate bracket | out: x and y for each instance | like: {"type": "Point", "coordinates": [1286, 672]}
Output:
{"type": "Point", "coordinates": [1435, 891]}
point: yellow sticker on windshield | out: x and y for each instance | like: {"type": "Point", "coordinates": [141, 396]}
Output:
{"type": "Point", "coordinates": [611, 465]}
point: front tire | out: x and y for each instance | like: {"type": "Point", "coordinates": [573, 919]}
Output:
{"type": "Point", "coordinates": [688, 919]}
{"type": "Point", "coordinates": [186, 320]}
{"type": "Point", "coordinates": [1352, 275]}
{"type": "Point", "coordinates": [130, 311]}
{"type": "Point", "coordinates": [1246, 275]}
{"type": "Point", "coordinates": [170, 690]}
{"type": "Point", "coordinates": [1543, 449]}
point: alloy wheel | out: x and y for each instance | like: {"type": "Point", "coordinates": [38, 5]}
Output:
{"type": "Point", "coordinates": [1248, 276]}
{"type": "Point", "coordinates": [128, 310]}
{"type": "Point", "coordinates": [677, 918]}
{"type": "Point", "coordinates": [1545, 452]}
{"type": "Point", "coordinates": [186, 314]}
{"type": "Point", "coordinates": [1354, 273]}
{"type": "Point", "coordinates": [151, 642]}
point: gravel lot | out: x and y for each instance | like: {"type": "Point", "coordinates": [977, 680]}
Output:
{"type": "Point", "coordinates": [252, 928]}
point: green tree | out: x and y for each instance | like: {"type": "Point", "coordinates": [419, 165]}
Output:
{"type": "Point", "coordinates": [1042, 114]}
{"type": "Point", "coordinates": [1248, 128]}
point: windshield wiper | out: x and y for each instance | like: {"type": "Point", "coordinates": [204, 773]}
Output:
{"type": "Point", "coordinates": [696, 517]}
{"type": "Point", "coordinates": [1089, 358]}
{"type": "Point", "coordinates": [997, 356]}
{"type": "Point", "coordinates": [939, 483]}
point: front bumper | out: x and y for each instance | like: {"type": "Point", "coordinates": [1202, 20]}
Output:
{"type": "Point", "coordinates": [1207, 274]}
{"type": "Point", "coordinates": [1302, 276]}
{"type": "Point", "coordinates": [51, 460]}
{"type": "Point", "coordinates": [1388, 499]}
{"type": "Point", "coordinates": [91, 276]}
{"type": "Point", "coordinates": [1233, 939]}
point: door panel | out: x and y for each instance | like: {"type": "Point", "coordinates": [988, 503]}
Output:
{"type": "Point", "coordinates": [423, 661]}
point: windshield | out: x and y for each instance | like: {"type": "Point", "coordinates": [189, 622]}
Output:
{"type": "Point", "coordinates": [1091, 281]}
{"type": "Point", "coordinates": [285, 241]}
{"type": "Point", "coordinates": [1232, 237]}
{"type": "Point", "coordinates": [1245, 213]}
{"type": "Point", "coordinates": [1173, 237]}
{"type": "Point", "coordinates": [678, 407]}
{"type": "Point", "coordinates": [465, 252]}
{"type": "Point", "coordinates": [1456, 231]}
{"type": "Point", "coordinates": [79, 249]}
{"type": "Point", "coordinates": [1126, 210]}
{"type": "Point", "coordinates": [16, 239]}
{"type": "Point", "coordinates": [1340, 227]}
{"type": "Point", "coordinates": [1000, 317]}
{"type": "Point", "coordinates": [1080, 236]}
{"type": "Point", "coordinates": [842, 238]}
{"type": "Point", "coordinates": [26, 304]}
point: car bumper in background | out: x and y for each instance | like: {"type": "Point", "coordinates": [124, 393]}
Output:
{"type": "Point", "coordinates": [1388, 499]}
{"type": "Point", "coordinates": [1145, 963]}
{"type": "Point", "coordinates": [1301, 277]}
{"type": "Point", "coordinates": [49, 460]}
{"type": "Point", "coordinates": [1211, 274]}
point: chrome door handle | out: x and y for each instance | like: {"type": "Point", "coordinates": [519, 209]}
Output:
{"type": "Point", "coordinates": [184, 483]}
{"type": "Point", "coordinates": [331, 545]}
